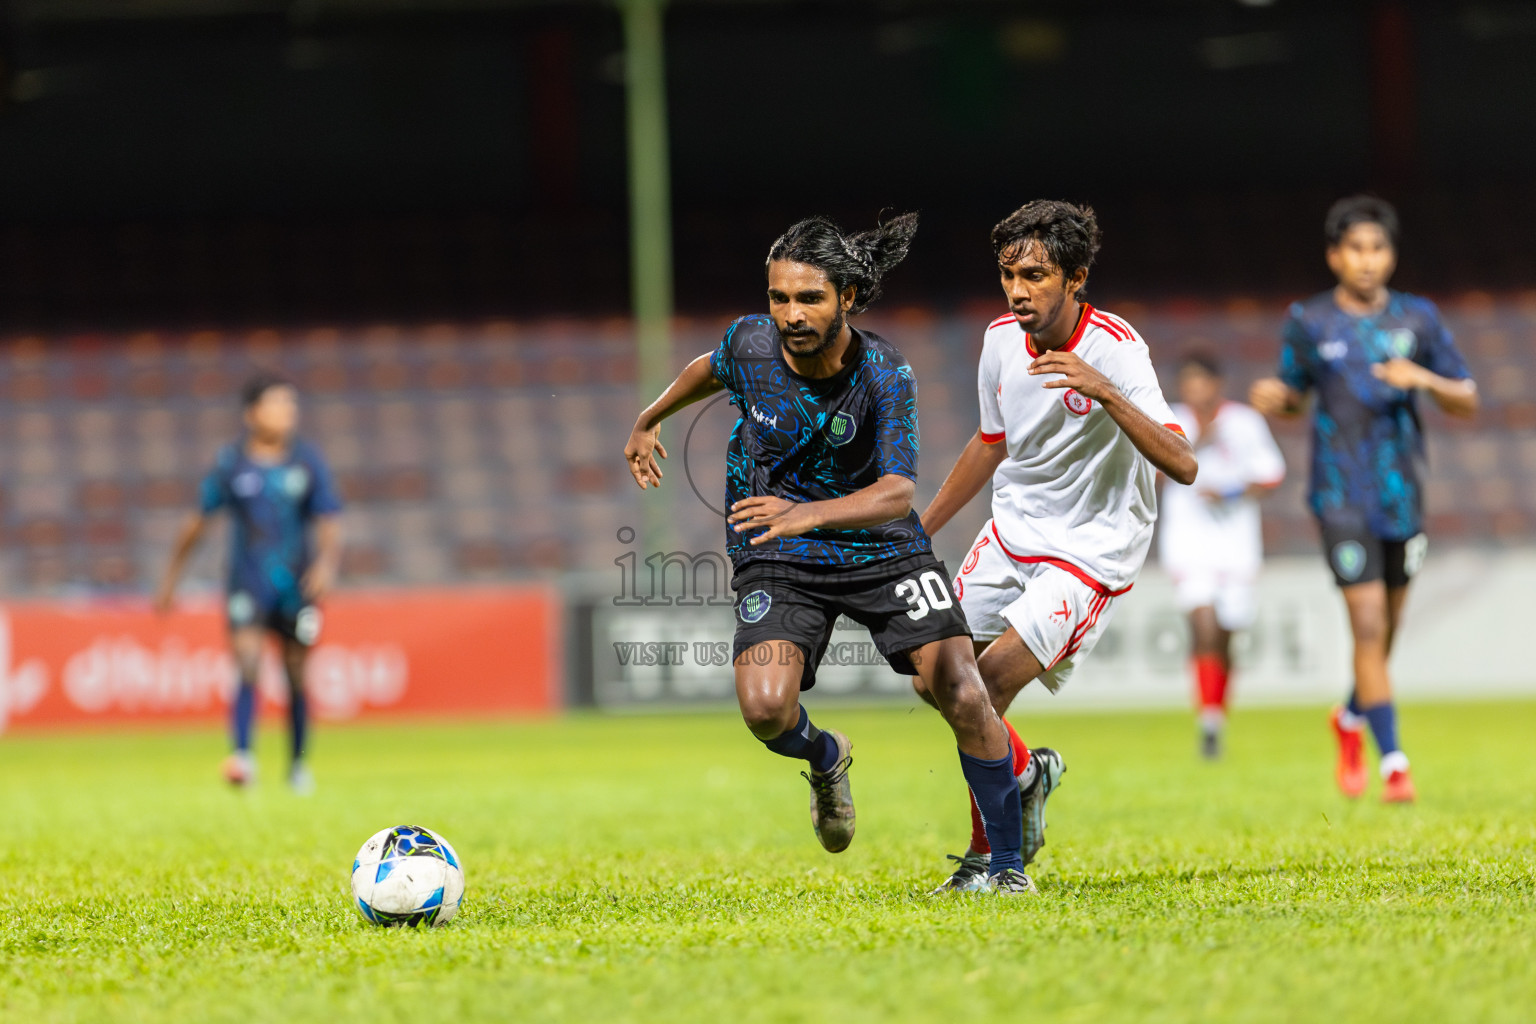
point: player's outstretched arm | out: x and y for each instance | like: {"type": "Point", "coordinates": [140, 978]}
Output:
{"type": "Point", "coordinates": [972, 470]}
{"type": "Point", "coordinates": [1454, 397]}
{"type": "Point", "coordinates": [889, 497]}
{"type": "Point", "coordinates": [696, 381]}
{"type": "Point", "coordinates": [186, 542]}
{"type": "Point", "coordinates": [1274, 397]}
{"type": "Point", "coordinates": [1169, 452]}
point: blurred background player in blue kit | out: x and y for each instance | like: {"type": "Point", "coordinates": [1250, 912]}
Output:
{"type": "Point", "coordinates": [275, 486]}
{"type": "Point", "coordinates": [1367, 351]}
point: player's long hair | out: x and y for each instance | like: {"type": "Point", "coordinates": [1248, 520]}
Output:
{"type": "Point", "coordinates": [1068, 233]}
{"type": "Point", "coordinates": [859, 260]}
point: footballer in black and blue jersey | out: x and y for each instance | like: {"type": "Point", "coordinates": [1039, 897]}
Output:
{"type": "Point", "coordinates": [1364, 353]}
{"type": "Point", "coordinates": [821, 470]}
{"type": "Point", "coordinates": [808, 439]}
{"type": "Point", "coordinates": [1367, 438]}
{"type": "Point", "coordinates": [284, 548]}
{"type": "Point", "coordinates": [271, 506]}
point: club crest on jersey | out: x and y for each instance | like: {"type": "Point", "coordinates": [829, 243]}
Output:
{"type": "Point", "coordinates": [295, 481]}
{"type": "Point", "coordinates": [840, 429]}
{"type": "Point", "coordinates": [1077, 402]}
{"type": "Point", "coordinates": [1349, 559]}
{"type": "Point", "coordinates": [754, 606]}
{"type": "Point", "coordinates": [1402, 343]}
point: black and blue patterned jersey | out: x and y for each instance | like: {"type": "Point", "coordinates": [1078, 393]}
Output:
{"type": "Point", "coordinates": [806, 439]}
{"type": "Point", "coordinates": [1367, 440]}
{"type": "Point", "coordinates": [271, 506]}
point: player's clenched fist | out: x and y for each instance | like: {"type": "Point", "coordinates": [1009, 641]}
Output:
{"type": "Point", "coordinates": [1078, 375]}
{"type": "Point", "coordinates": [640, 454]}
{"type": "Point", "coordinates": [1272, 396]}
{"type": "Point", "coordinates": [782, 518]}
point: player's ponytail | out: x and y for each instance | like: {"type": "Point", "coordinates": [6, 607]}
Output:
{"type": "Point", "coordinates": [859, 260]}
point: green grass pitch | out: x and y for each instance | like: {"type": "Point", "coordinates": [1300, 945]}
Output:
{"type": "Point", "coordinates": [663, 869]}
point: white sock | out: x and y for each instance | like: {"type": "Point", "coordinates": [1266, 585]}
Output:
{"type": "Point", "coordinates": [1350, 721]}
{"type": "Point", "coordinates": [1397, 761]}
{"type": "Point", "coordinates": [1027, 777]}
{"type": "Point", "coordinates": [1212, 719]}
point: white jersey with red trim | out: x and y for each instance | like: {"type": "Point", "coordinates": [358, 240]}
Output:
{"type": "Point", "coordinates": [1073, 490]}
{"type": "Point", "coordinates": [1212, 525]}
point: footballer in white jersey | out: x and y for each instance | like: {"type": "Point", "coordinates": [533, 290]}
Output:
{"type": "Point", "coordinates": [1210, 539]}
{"type": "Point", "coordinates": [1074, 430]}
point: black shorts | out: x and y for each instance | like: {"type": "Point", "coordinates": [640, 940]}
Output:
{"type": "Point", "coordinates": [290, 620]}
{"type": "Point", "coordinates": [903, 602]}
{"type": "Point", "coordinates": [1356, 555]}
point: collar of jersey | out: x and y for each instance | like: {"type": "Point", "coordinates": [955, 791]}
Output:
{"type": "Point", "coordinates": [1077, 333]}
{"type": "Point", "coordinates": [856, 342]}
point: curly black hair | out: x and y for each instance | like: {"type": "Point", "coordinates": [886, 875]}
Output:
{"type": "Point", "coordinates": [859, 260]}
{"type": "Point", "coordinates": [1068, 233]}
{"type": "Point", "coordinates": [1352, 210]}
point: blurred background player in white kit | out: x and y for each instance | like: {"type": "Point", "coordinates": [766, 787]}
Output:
{"type": "Point", "coordinates": [1209, 537]}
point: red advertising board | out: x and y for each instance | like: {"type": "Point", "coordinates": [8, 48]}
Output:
{"type": "Point", "coordinates": [429, 652]}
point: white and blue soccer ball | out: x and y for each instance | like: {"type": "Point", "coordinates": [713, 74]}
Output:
{"type": "Point", "coordinates": [407, 875]}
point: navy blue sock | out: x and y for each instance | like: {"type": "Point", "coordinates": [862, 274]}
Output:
{"type": "Point", "coordinates": [1383, 721]}
{"type": "Point", "coordinates": [807, 743]}
{"type": "Point", "coordinates": [298, 723]}
{"type": "Point", "coordinates": [1353, 705]}
{"type": "Point", "coordinates": [243, 715]}
{"type": "Point", "coordinates": [997, 797]}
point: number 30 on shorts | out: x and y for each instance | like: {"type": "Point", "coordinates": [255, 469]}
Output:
{"type": "Point", "coordinates": [927, 592]}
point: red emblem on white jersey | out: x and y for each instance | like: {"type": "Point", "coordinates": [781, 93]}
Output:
{"type": "Point", "coordinates": [1078, 403]}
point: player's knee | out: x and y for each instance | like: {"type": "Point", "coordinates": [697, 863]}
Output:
{"type": "Point", "coordinates": [1369, 630]}
{"type": "Point", "coordinates": [765, 718]}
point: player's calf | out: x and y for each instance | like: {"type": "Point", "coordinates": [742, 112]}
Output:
{"type": "Point", "coordinates": [949, 669]}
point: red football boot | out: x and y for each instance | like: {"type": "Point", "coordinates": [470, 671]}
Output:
{"type": "Point", "coordinates": [1399, 788]}
{"type": "Point", "coordinates": [1350, 771]}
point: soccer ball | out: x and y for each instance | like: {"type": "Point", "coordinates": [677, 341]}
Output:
{"type": "Point", "coordinates": [407, 875]}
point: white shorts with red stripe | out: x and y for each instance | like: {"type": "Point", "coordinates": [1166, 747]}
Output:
{"type": "Point", "coordinates": [1057, 609]}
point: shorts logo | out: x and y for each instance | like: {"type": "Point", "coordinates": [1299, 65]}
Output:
{"type": "Point", "coordinates": [1078, 403]}
{"type": "Point", "coordinates": [242, 608]}
{"type": "Point", "coordinates": [306, 625]}
{"type": "Point", "coordinates": [841, 429]}
{"type": "Point", "coordinates": [1349, 559]}
{"type": "Point", "coordinates": [1413, 555]}
{"type": "Point", "coordinates": [975, 556]}
{"type": "Point", "coordinates": [754, 606]}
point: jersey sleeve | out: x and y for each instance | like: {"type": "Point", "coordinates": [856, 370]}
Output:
{"type": "Point", "coordinates": [213, 492]}
{"type": "Point", "coordinates": [722, 362]}
{"type": "Point", "coordinates": [1138, 381]}
{"type": "Point", "coordinates": [1440, 354]}
{"type": "Point", "coordinates": [989, 395]}
{"type": "Point", "coordinates": [1262, 458]}
{"type": "Point", "coordinates": [896, 436]}
{"type": "Point", "coordinates": [1297, 353]}
{"type": "Point", "coordinates": [324, 497]}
